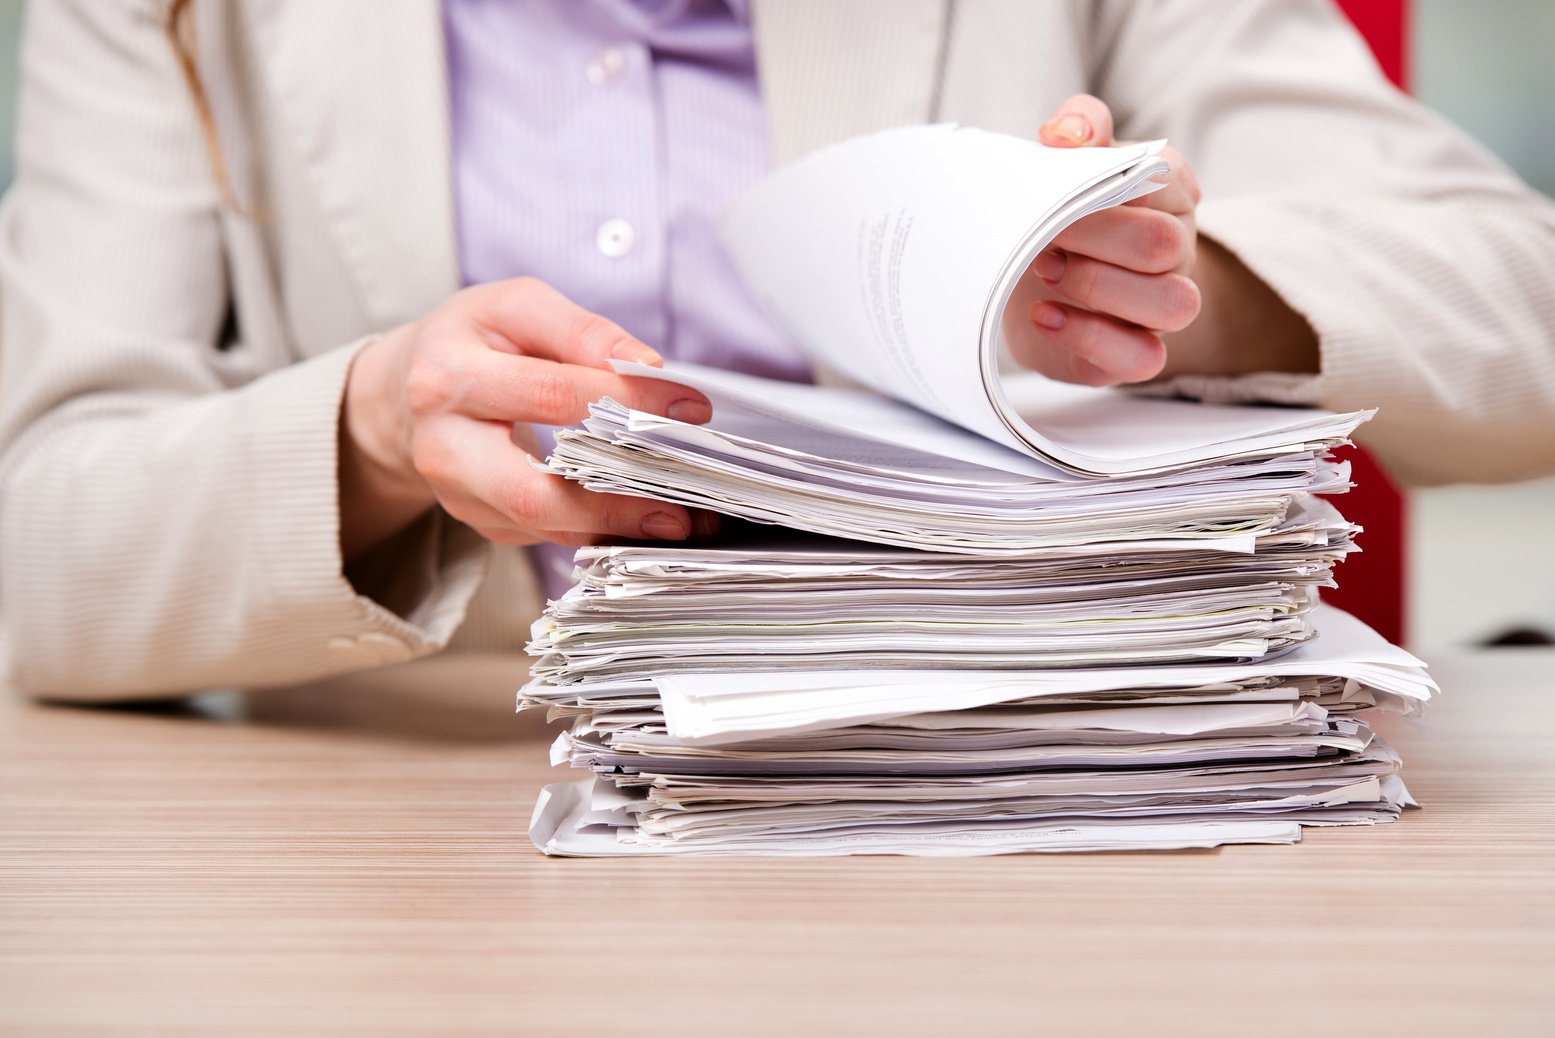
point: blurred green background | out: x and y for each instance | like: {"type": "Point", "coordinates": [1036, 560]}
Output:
{"type": "Point", "coordinates": [10, 32]}
{"type": "Point", "coordinates": [1490, 67]}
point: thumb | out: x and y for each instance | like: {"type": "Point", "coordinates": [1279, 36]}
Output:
{"type": "Point", "coordinates": [1081, 121]}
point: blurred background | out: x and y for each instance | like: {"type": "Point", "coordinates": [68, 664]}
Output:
{"type": "Point", "coordinates": [1481, 559]}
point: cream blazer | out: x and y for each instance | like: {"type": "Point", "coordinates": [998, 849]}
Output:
{"type": "Point", "coordinates": [173, 369]}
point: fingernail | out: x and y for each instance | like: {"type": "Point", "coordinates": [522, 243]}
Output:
{"type": "Point", "coordinates": [690, 410]}
{"type": "Point", "coordinates": [661, 526]}
{"type": "Point", "coordinates": [704, 524]}
{"type": "Point", "coordinates": [1051, 265]}
{"type": "Point", "coordinates": [1071, 127]}
{"type": "Point", "coordinates": [636, 351]}
{"type": "Point", "coordinates": [1049, 315]}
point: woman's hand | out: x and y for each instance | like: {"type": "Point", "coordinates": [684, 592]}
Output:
{"type": "Point", "coordinates": [438, 412]}
{"type": "Point", "coordinates": [1132, 292]}
{"type": "Point", "coordinates": [1113, 283]}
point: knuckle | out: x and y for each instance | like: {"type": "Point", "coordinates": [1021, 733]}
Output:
{"type": "Point", "coordinates": [586, 330]}
{"type": "Point", "coordinates": [431, 460]}
{"type": "Point", "coordinates": [1182, 301]}
{"type": "Point", "coordinates": [1086, 338]}
{"type": "Point", "coordinates": [553, 399]}
{"type": "Point", "coordinates": [521, 502]}
{"type": "Point", "coordinates": [1163, 243]}
{"type": "Point", "coordinates": [1082, 279]}
{"type": "Point", "coordinates": [432, 383]}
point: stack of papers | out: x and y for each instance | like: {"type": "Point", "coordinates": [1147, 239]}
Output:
{"type": "Point", "coordinates": [790, 761]}
{"type": "Point", "coordinates": [1006, 656]}
{"type": "Point", "coordinates": [1004, 614]}
{"type": "Point", "coordinates": [854, 464]}
{"type": "Point", "coordinates": [839, 605]}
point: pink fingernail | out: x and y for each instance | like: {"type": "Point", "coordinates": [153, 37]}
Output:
{"type": "Point", "coordinates": [1049, 315]}
{"type": "Point", "coordinates": [690, 410]}
{"type": "Point", "coordinates": [636, 351]}
{"type": "Point", "coordinates": [1051, 265]}
{"type": "Point", "coordinates": [1072, 128]}
{"type": "Point", "coordinates": [661, 526]}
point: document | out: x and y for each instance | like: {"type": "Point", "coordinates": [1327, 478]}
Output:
{"type": "Point", "coordinates": [823, 460]}
{"type": "Point", "coordinates": [979, 613]}
{"type": "Point", "coordinates": [804, 696]}
{"type": "Point", "coordinates": [892, 257]}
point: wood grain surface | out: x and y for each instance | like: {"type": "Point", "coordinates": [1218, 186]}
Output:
{"type": "Point", "coordinates": [351, 860]}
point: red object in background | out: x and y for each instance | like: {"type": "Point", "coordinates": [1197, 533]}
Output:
{"type": "Point", "coordinates": [1385, 24]}
{"type": "Point", "coordinates": [1372, 583]}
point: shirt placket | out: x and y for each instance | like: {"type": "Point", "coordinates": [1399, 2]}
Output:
{"type": "Point", "coordinates": [619, 224]}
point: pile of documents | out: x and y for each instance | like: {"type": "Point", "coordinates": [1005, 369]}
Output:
{"type": "Point", "coordinates": [827, 698]}
{"type": "Point", "coordinates": [979, 612]}
{"type": "Point", "coordinates": [852, 464]}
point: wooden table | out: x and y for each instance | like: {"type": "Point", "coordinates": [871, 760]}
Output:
{"type": "Point", "coordinates": [352, 861]}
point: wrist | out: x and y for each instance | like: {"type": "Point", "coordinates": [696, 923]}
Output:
{"type": "Point", "coordinates": [1244, 326]}
{"type": "Point", "coordinates": [380, 490]}
{"type": "Point", "coordinates": [371, 422]}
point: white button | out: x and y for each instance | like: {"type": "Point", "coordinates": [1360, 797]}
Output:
{"type": "Point", "coordinates": [615, 238]}
{"type": "Point", "coordinates": [606, 66]}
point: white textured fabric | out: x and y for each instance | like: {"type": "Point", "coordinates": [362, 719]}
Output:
{"type": "Point", "coordinates": [168, 505]}
{"type": "Point", "coordinates": [1427, 268]}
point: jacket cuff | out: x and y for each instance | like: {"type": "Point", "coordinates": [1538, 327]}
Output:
{"type": "Point", "coordinates": [1291, 246]}
{"type": "Point", "coordinates": [293, 468]}
{"type": "Point", "coordinates": [1266, 387]}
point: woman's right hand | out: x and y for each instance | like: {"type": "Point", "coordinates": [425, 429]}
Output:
{"type": "Point", "coordinates": [438, 412]}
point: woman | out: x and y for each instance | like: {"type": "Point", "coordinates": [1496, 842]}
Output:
{"type": "Point", "coordinates": [253, 432]}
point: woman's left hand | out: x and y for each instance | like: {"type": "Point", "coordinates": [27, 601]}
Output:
{"type": "Point", "coordinates": [1114, 282]}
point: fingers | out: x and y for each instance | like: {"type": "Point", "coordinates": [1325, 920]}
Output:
{"type": "Point", "coordinates": [1181, 193]}
{"type": "Point", "coordinates": [1174, 199]}
{"type": "Point", "coordinates": [1079, 122]}
{"type": "Point", "coordinates": [1163, 302]}
{"type": "Point", "coordinates": [491, 486]}
{"type": "Point", "coordinates": [525, 315]}
{"type": "Point", "coordinates": [462, 376]}
{"type": "Point", "coordinates": [1146, 240]}
{"type": "Point", "coordinates": [519, 351]}
{"type": "Point", "coordinates": [502, 529]}
{"type": "Point", "coordinates": [1118, 278]}
{"type": "Point", "coordinates": [1073, 345]}
{"type": "Point", "coordinates": [505, 356]}
{"type": "Point", "coordinates": [1180, 196]}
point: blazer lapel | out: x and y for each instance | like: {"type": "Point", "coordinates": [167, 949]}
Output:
{"type": "Point", "coordinates": [362, 85]}
{"type": "Point", "coordinates": [832, 69]}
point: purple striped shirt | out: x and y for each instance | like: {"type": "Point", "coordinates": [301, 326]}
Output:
{"type": "Point", "coordinates": [594, 143]}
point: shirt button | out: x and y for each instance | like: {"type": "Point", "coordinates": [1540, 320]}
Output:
{"type": "Point", "coordinates": [615, 238]}
{"type": "Point", "coordinates": [606, 66]}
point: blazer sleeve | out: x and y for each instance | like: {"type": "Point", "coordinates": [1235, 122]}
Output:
{"type": "Point", "coordinates": [168, 501]}
{"type": "Point", "coordinates": [1424, 265]}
